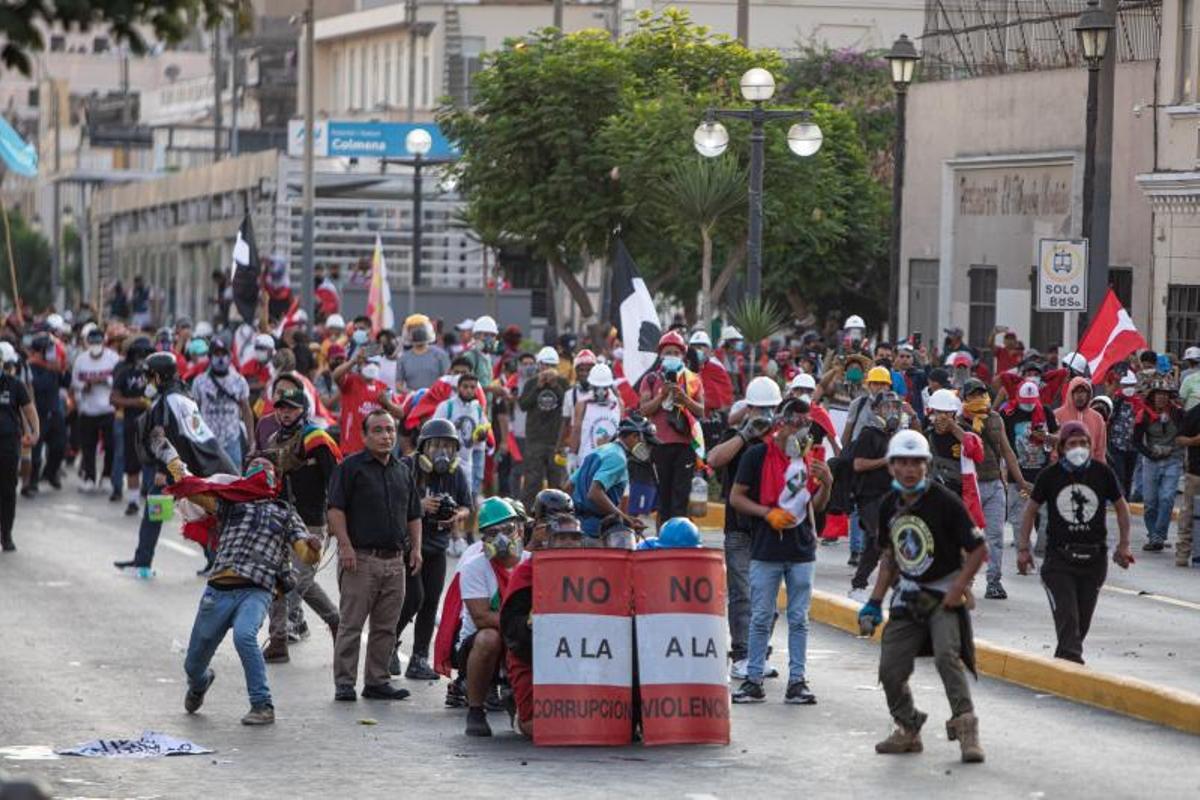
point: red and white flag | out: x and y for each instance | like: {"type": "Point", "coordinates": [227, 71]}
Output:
{"type": "Point", "coordinates": [971, 453]}
{"type": "Point", "coordinates": [379, 295]}
{"type": "Point", "coordinates": [1110, 337]}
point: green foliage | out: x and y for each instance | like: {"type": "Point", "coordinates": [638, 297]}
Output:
{"type": "Point", "coordinates": [31, 254]}
{"type": "Point", "coordinates": [125, 21]}
{"type": "Point", "coordinates": [758, 319]}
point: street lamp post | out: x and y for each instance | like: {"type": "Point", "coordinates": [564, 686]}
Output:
{"type": "Point", "coordinates": [1094, 30]}
{"type": "Point", "coordinates": [711, 140]}
{"type": "Point", "coordinates": [902, 59]}
{"type": "Point", "coordinates": [417, 143]}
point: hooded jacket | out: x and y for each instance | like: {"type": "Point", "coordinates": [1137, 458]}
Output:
{"type": "Point", "coordinates": [1090, 418]}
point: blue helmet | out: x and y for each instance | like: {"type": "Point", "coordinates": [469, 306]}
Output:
{"type": "Point", "coordinates": [649, 543]}
{"type": "Point", "coordinates": [679, 532]}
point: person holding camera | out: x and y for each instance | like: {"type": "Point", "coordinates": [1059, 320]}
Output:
{"type": "Point", "coordinates": [672, 397]}
{"type": "Point", "coordinates": [446, 504]}
{"type": "Point", "coordinates": [542, 400]}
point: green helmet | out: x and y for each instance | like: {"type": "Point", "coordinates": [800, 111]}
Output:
{"type": "Point", "coordinates": [494, 511]}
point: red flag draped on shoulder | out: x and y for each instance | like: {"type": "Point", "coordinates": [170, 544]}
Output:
{"type": "Point", "coordinates": [1110, 337]}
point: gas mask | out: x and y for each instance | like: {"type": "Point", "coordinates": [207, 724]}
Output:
{"type": "Point", "coordinates": [503, 544]}
{"type": "Point", "coordinates": [600, 394]}
{"type": "Point", "coordinates": [370, 371]}
{"type": "Point", "coordinates": [797, 444]}
{"type": "Point", "coordinates": [894, 421]}
{"type": "Point", "coordinates": [389, 347]}
{"type": "Point", "coordinates": [418, 335]}
{"type": "Point", "coordinates": [440, 456]}
{"type": "Point", "coordinates": [220, 364]}
{"type": "Point", "coordinates": [640, 451]}
{"type": "Point", "coordinates": [758, 423]}
{"type": "Point", "coordinates": [487, 344]}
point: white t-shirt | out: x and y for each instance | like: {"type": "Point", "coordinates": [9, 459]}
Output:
{"type": "Point", "coordinates": [466, 417]}
{"type": "Point", "coordinates": [94, 401]}
{"type": "Point", "coordinates": [598, 426]}
{"type": "Point", "coordinates": [387, 371]}
{"type": "Point", "coordinates": [476, 581]}
{"type": "Point", "coordinates": [574, 396]}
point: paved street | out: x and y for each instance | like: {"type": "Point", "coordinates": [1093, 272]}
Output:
{"type": "Point", "coordinates": [89, 652]}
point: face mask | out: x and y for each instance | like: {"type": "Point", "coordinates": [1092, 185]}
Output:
{"type": "Point", "coordinates": [419, 335]}
{"type": "Point", "coordinates": [501, 545]}
{"type": "Point", "coordinates": [1129, 391]}
{"type": "Point", "coordinates": [672, 363]}
{"type": "Point", "coordinates": [640, 452]}
{"type": "Point", "coordinates": [978, 405]}
{"type": "Point", "coordinates": [151, 391]}
{"type": "Point", "coordinates": [739, 347]}
{"type": "Point", "coordinates": [1026, 407]}
{"type": "Point", "coordinates": [389, 347]}
{"type": "Point", "coordinates": [370, 371]}
{"type": "Point", "coordinates": [854, 374]}
{"type": "Point", "coordinates": [528, 371]}
{"type": "Point", "coordinates": [487, 345]}
{"type": "Point", "coordinates": [920, 487]}
{"type": "Point", "coordinates": [262, 356]}
{"type": "Point", "coordinates": [220, 364]}
{"type": "Point", "coordinates": [701, 356]}
{"type": "Point", "coordinates": [360, 337]}
{"type": "Point", "coordinates": [1078, 457]}
{"type": "Point", "coordinates": [95, 350]}
{"type": "Point", "coordinates": [797, 443]}
{"type": "Point", "coordinates": [254, 469]}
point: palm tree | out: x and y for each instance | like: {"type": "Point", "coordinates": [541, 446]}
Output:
{"type": "Point", "coordinates": [757, 319]}
{"type": "Point", "coordinates": [699, 192]}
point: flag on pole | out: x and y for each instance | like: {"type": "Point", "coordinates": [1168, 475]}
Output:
{"type": "Point", "coordinates": [1110, 337]}
{"type": "Point", "coordinates": [245, 271]}
{"type": "Point", "coordinates": [379, 296]}
{"type": "Point", "coordinates": [633, 310]}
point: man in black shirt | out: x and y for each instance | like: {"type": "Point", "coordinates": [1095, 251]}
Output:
{"type": "Point", "coordinates": [129, 398]}
{"type": "Point", "coordinates": [375, 514]}
{"type": "Point", "coordinates": [446, 503]}
{"type": "Point", "coordinates": [872, 480]}
{"type": "Point", "coordinates": [18, 428]}
{"type": "Point", "coordinates": [771, 490]}
{"type": "Point", "coordinates": [931, 547]}
{"type": "Point", "coordinates": [1076, 490]}
{"type": "Point", "coordinates": [1190, 438]}
{"type": "Point", "coordinates": [306, 457]}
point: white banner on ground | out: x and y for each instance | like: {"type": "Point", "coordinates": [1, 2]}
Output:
{"type": "Point", "coordinates": [151, 744]}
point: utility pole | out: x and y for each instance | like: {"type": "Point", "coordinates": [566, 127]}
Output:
{"type": "Point", "coordinates": [558, 15]}
{"type": "Point", "coordinates": [743, 22]}
{"type": "Point", "coordinates": [410, 19]}
{"type": "Point", "coordinates": [308, 290]}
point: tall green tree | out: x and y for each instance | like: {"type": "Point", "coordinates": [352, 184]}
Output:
{"type": "Point", "coordinates": [31, 258]}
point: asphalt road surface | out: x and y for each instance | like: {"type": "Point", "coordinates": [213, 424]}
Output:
{"type": "Point", "coordinates": [87, 652]}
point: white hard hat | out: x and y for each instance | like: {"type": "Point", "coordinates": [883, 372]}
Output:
{"type": "Point", "coordinates": [601, 376]}
{"type": "Point", "coordinates": [1191, 354]}
{"type": "Point", "coordinates": [486, 324]}
{"type": "Point", "coordinates": [56, 323]}
{"type": "Point", "coordinates": [731, 334]}
{"type": "Point", "coordinates": [335, 321]}
{"type": "Point", "coordinates": [909, 444]}
{"type": "Point", "coordinates": [944, 400]}
{"type": "Point", "coordinates": [854, 321]}
{"type": "Point", "coordinates": [8, 353]}
{"type": "Point", "coordinates": [1129, 379]}
{"type": "Point", "coordinates": [465, 325]}
{"type": "Point", "coordinates": [803, 381]}
{"type": "Point", "coordinates": [701, 337]}
{"type": "Point", "coordinates": [264, 341]}
{"type": "Point", "coordinates": [547, 355]}
{"type": "Point", "coordinates": [1075, 362]}
{"type": "Point", "coordinates": [763, 392]}
{"type": "Point", "coordinates": [203, 330]}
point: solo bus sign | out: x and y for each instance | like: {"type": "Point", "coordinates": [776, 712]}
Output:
{"type": "Point", "coordinates": [1062, 275]}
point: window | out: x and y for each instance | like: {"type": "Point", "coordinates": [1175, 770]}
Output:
{"type": "Point", "coordinates": [1183, 317]}
{"type": "Point", "coordinates": [100, 44]}
{"type": "Point", "coordinates": [34, 97]}
{"type": "Point", "coordinates": [1121, 281]}
{"type": "Point", "coordinates": [1186, 81]}
{"type": "Point", "coordinates": [58, 43]}
{"type": "Point", "coordinates": [982, 305]}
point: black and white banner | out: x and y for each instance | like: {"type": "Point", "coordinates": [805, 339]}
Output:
{"type": "Point", "coordinates": [245, 271]}
{"type": "Point", "coordinates": [633, 309]}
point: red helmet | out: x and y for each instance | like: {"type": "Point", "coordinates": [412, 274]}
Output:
{"type": "Point", "coordinates": [585, 357]}
{"type": "Point", "coordinates": [672, 339]}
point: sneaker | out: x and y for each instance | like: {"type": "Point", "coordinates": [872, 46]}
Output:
{"type": "Point", "coordinates": [858, 595]}
{"type": "Point", "coordinates": [29, 493]}
{"type": "Point", "coordinates": [995, 591]}
{"type": "Point", "coordinates": [8, 547]}
{"type": "Point", "coordinates": [260, 715]}
{"type": "Point", "coordinates": [394, 667]}
{"type": "Point", "coordinates": [456, 694]}
{"type": "Point", "coordinates": [193, 699]}
{"type": "Point", "coordinates": [419, 670]}
{"type": "Point", "coordinates": [299, 633]}
{"type": "Point", "coordinates": [115, 497]}
{"type": "Point", "coordinates": [55, 484]}
{"type": "Point", "coordinates": [737, 670]}
{"type": "Point", "coordinates": [477, 724]}
{"type": "Point", "coordinates": [798, 694]}
{"type": "Point", "coordinates": [853, 560]}
{"type": "Point", "coordinates": [132, 510]}
{"type": "Point", "coordinates": [385, 691]}
{"type": "Point", "coordinates": [344, 694]}
{"type": "Point", "coordinates": [749, 692]}
{"type": "Point", "coordinates": [88, 487]}
{"type": "Point", "coordinates": [902, 739]}
{"type": "Point", "coordinates": [1152, 547]}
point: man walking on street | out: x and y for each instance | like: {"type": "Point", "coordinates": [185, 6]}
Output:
{"type": "Point", "coordinates": [375, 514]}
{"type": "Point", "coordinates": [18, 428]}
{"type": "Point", "coordinates": [542, 400]}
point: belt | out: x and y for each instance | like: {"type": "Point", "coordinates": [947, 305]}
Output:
{"type": "Point", "coordinates": [379, 552]}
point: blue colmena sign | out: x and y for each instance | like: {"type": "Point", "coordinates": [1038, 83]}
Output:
{"type": "Point", "coordinates": [343, 139]}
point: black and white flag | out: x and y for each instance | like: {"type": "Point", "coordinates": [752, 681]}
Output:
{"type": "Point", "coordinates": [633, 309]}
{"type": "Point", "coordinates": [245, 271]}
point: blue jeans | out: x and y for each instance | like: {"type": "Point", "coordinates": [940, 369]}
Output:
{"type": "Point", "coordinates": [994, 500]}
{"type": "Point", "coordinates": [737, 579]}
{"type": "Point", "coordinates": [148, 531]}
{"type": "Point", "coordinates": [765, 577]}
{"type": "Point", "coordinates": [233, 449]}
{"type": "Point", "coordinates": [118, 446]}
{"type": "Point", "coordinates": [243, 610]}
{"type": "Point", "coordinates": [1160, 481]}
{"type": "Point", "coordinates": [856, 533]}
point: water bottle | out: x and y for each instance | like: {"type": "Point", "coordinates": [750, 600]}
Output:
{"type": "Point", "coordinates": [698, 497]}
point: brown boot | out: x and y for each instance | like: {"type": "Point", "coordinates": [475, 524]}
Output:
{"type": "Point", "coordinates": [965, 729]}
{"type": "Point", "coordinates": [903, 739]}
{"type": "Point", "coordinates": [276, 651]}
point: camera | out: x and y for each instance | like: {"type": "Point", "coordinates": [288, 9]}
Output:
{"type": "Point", "coordinates": [446, 508]}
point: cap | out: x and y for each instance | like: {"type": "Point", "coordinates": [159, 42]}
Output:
{"type": "Point", "coordinates": [293, 398]}
{"type": "Point", "coordinates": [1191, 354]}
{"type": "Point", "coordinates": [1029, 391]}
{"type": "Point", "coordinates": [1072, 428]}
{"type": "Point", "coordinates": [954, 331]}
{"type": "Point", "coordinates": [584, 358]}
{"type": "Point", "coordinates": [465, 325]}
{"type": "Point", "coordinates": [547, 356]}
{"type": "Point", "coordinates": [1129, 379]}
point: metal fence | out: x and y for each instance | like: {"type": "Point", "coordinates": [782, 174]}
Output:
{"type": "Point", "coordinates": [973, 38]}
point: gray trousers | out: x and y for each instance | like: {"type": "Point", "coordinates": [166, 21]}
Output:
{"type": "Point", "coordinates": [737, 581]}
{"type": "Point", "coordinates": [308, 590]}
{"type": "Point", "coordinates": [902, 640]}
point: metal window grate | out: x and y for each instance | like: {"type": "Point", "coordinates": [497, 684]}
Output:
{"type": "Point", "coordinates": [1183, 317]}
{"type": "Point", "coordinates": [982, 305]}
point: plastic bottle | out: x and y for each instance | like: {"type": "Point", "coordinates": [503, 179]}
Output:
{"type": "Point", "coordinates": [698, 497]}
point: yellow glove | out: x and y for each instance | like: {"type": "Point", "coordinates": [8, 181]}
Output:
{"type": "Point", "coordinates": [781, 520]}
{"type": "Point", "coordinates": [481, 432]}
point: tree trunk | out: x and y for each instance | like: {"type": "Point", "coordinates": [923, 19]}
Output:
{"type": "Point", "coordinates": [705, 278]}
{"type": "Point", "coordinates": [574, 287]}
{"type": "Point", "coordinates": [731, 266]}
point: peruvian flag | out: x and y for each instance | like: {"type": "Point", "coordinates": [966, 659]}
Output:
{"type": "Point", "coordinates": [971, 453]}
{"type": "Point", "coordinates": [379, 296]}
{"type": "Point", "coordinates": [1110, 337]}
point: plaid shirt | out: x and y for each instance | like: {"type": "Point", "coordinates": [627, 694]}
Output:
{"type": "Point", "coordinates": [255, 540]}
{"type": "Point", "coordinates": [220, 401]}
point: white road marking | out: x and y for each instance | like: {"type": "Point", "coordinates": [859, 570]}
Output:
{"type": "Point", "coordinates": [180, 548]}
{"type": "Point", "coordinates": [1160, 598]}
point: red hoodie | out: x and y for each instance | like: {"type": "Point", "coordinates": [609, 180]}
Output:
{"type": "Point", "coordinates": [1090, 418]}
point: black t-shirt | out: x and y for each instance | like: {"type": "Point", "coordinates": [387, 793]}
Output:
{"type": "Point", "coordinates": [129, 381]}
{"type": "Point", "coordinates": [871, 443]}
{"type": "Point", "coordinates": [794, 544]}
{"type": "Point", "coordinates": [733, 523]}
{"type": "Point", "coordinates": [1028, 440]}
{"type": "Point", "coordinates": [13, 397]}
{"type": "Point", "coordinates": [436, 538]}
{"type": "Point", "coordinates": [927, 538]}
{"type": "Point", "coordinates": [946, 467]}
{"type": "Point", "coordinates": [1191, 427]}
{"type": "Point", "coordinates": [1075, 501]}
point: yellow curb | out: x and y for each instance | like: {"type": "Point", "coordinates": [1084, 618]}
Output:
{"type": "Point", "coordinates": [1173, 708]}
